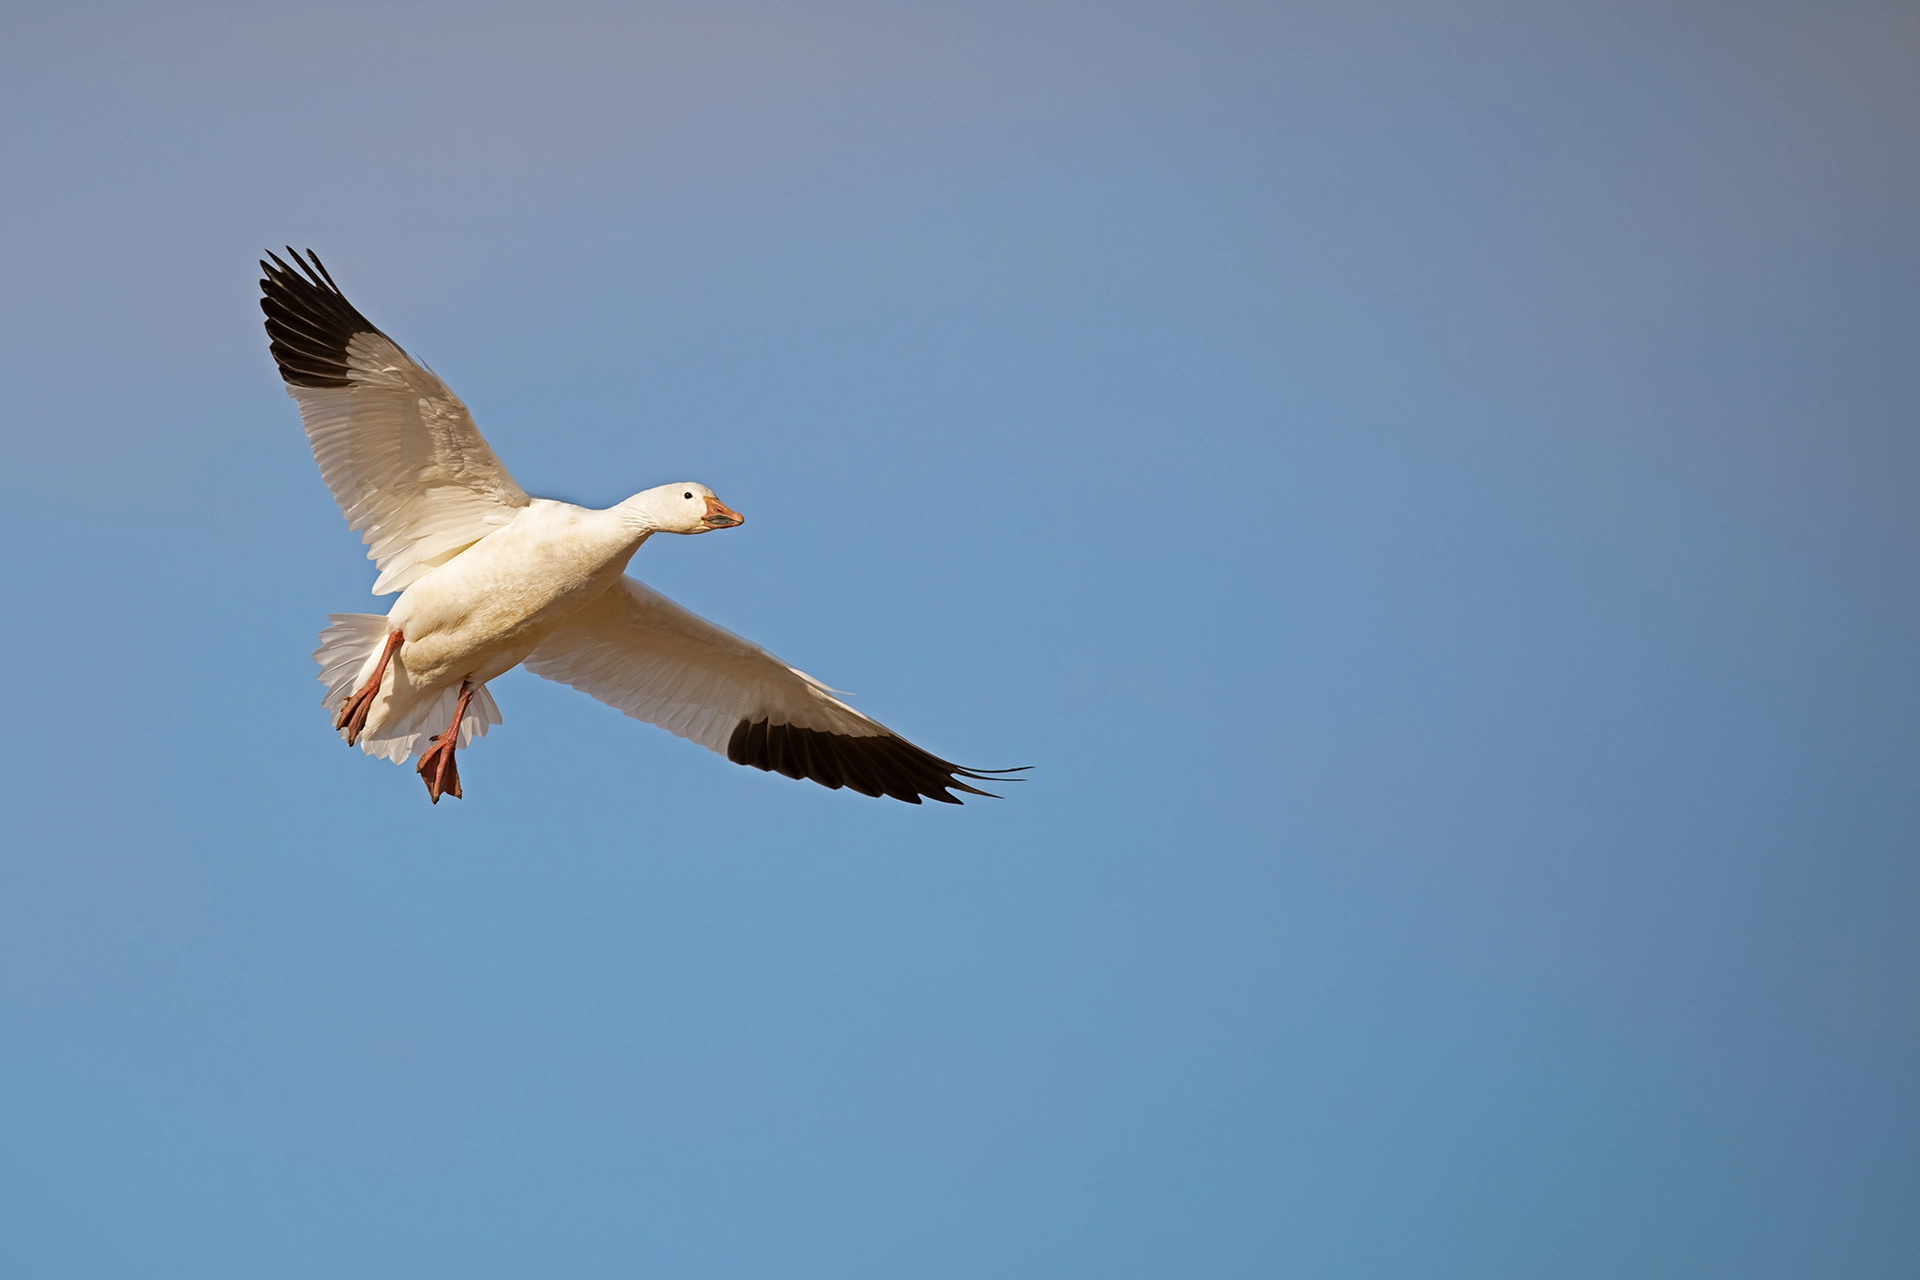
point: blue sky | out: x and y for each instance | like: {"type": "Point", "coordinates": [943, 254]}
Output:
{"type": "Point", "coordinates": [1429, 488]}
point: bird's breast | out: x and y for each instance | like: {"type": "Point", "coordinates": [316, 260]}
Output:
{"type": "Point", "coordinates": [485, 610]}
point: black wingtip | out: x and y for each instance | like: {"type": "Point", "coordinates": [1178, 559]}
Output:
{"type": "Point", "coordinates": [309, 321]}
{"type": "Point", "coordinates": [321, 267]}
{"type": "Point", "coordinates": [874, 765]}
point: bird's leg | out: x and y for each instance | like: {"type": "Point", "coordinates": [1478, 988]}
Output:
{"type": "Point", "coordinates": [353, 715]}
{"type": "Point", "coordinates": [437, 769]}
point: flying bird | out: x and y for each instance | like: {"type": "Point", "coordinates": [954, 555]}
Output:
{"type": "Point", "coordinates": [491, 577]}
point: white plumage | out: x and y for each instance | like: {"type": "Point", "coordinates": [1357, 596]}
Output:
{"type": "Point", "coordinates": [403, 459]}
{"type": "Point", "coordinates": [634, 649]}
{"type": "Point", "coordinates": [349, 647]}
{"type": "Point", "coordinates": [490, 577]}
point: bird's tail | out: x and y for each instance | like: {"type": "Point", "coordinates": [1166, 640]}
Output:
{"type": "Point", "coordinates": [349, 650]}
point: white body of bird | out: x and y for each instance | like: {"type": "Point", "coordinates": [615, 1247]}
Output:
{"type": "Point", "coordinates": [491, 577]}
{"type": "Point", "coordinates": [480, 614]}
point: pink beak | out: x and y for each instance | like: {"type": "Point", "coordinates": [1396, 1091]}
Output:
{"type": "Point", "coordinates": [721, 516]}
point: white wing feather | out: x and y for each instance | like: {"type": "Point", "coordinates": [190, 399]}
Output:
{"type": "Point", "coordinates": [402, 457]}
{"type": "Point", "coordinates": [397, 449]}
{"type": "Point", "coordinates": [641, 653]}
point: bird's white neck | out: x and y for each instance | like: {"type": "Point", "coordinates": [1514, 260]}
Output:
{"type": "Point", "coordinates": [635, 515]}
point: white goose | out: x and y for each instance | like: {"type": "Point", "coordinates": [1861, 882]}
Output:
{"type": "Point", "coordinates": [490, 577]}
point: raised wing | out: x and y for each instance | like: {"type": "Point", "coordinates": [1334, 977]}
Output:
{"type": "Point", "coordinates": [638, 651]}
{"type": "Point", "coordinates": [398, 450]}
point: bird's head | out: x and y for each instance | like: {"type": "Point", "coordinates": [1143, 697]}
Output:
{"type": "Point", "coordinates": [683, 508]}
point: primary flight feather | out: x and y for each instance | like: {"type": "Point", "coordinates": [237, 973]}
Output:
{"type": "Point", "coordinates": [490, 577]}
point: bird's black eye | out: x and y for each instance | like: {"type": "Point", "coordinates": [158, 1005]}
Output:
{"type": "Point", "coordinates": [686, 495]}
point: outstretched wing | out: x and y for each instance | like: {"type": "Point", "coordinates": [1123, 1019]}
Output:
{"type": "Point", "coordinates": [638, 651]}
{"type": "Point", "coordinates": [396, 447]}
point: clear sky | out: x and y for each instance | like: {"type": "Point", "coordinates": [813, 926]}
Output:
{"type": "Point", "coordinates": [1431, 488]}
